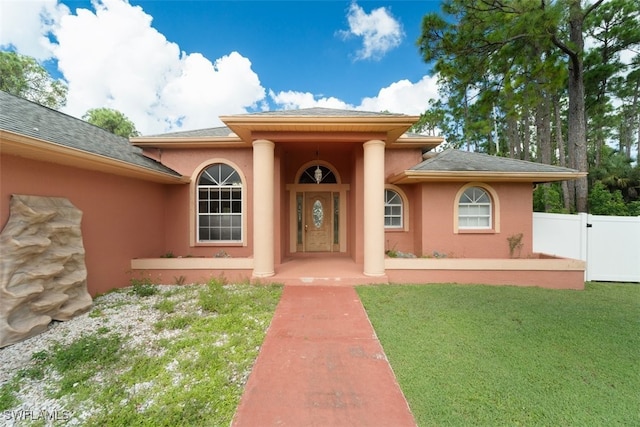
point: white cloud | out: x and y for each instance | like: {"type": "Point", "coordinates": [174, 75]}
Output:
{"type": "Point", "coordinates": [403, 97]}
{"type": "Point", "coordinates": [291, 100]}
{"type": "Point", "coordinates": [400, 97]}
{"type": "Point", "coordinates": [379, 30]}
{"type": "Point", "coordinates": [26, 25]}
{"type": "Point", "coordinates": [113, 57]}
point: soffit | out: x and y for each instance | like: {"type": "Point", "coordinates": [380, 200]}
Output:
{"type": "Point", "coordinates": [46, 151]}
{"type": "Point", "coordinates": [414, 177]}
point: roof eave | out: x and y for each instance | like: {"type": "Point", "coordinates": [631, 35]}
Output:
{"type": "Point", "coordinates": [188, 142]}
{"type": "Point", "coordinates": [413, 177]}
{"type": "Point", "coordinates": [393, 126]}
{"type": "Point", "coordinates": [37, 149]}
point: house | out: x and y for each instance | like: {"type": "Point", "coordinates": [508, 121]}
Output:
{"type": "Point", "coordinates": [283, 195]}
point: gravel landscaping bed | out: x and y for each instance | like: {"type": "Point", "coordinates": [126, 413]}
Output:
{"type": "Point", "coordinates": [136, 320]}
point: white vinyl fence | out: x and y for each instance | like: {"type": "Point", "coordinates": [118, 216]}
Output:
{"type": "Point", "coordinates": [609, 244]}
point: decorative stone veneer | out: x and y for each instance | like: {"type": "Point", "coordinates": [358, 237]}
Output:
{"type": "Point", "coordinates": [43, 276]}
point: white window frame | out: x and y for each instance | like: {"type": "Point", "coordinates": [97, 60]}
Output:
{"type": "Point", "coordinates": [397, 196]}
{"type": "Point", "coordinates": [231, 183]}
{"type": "Point", "coordinates": [478, 199]}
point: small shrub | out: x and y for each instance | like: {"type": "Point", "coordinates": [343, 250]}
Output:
{"type": "Point", "coordinates": [143, 287]}
{"type": "Point", "coordinates": [222, 254]}
{"type": "Point", "coordinates": [179, 280]}
{"type": "Point", "coordinates": [168, 255]}
{"type": "Point", "coordinates": [515, 244]}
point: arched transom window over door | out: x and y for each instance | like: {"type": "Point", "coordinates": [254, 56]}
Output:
{"type": "Point", "coordinates": [318, 174]}
{"type": "Point", "coordinates": [220, 194]}
{"type": "Point", "coordinates": [474, 209]}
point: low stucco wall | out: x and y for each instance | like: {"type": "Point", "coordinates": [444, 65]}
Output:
{"type": "Point", "coordinates": [544, 270]}
{"type": "Point", "coordinates": [169, 271]}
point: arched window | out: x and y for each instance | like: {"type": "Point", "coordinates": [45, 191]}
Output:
{"type": "Point", "coordinates": [474, 209]}
{"type": "Point", "coordinates": [219, 204]}
{"type": "Point", "coordinates": [392, 209]}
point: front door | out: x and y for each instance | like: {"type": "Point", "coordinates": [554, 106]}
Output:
{"type": "Point", "coordinates": [318, 221]}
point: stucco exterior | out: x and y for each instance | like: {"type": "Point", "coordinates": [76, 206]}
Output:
{"type": "Point", "coordinates": [123, 218]}
{"type": "Point", "coordinates": [141, 198]}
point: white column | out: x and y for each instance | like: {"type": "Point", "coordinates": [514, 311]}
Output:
{"type": "Point", "coordinates": [374, 208]}
{"type": "Point", "coordinates": [263, 208]}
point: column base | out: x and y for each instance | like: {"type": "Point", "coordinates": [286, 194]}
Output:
{"type": "Point", "coordinates": [261, 275]}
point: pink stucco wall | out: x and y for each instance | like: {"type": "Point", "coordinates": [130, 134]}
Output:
{"type": "Point", "coordinates": [438, 200]}
{"type": "Point", "coordinates": [122, 218]}
{"type": "Point", "coordinates": [180, 211]}
{"type": "Point", "coordinates": [431, 223]}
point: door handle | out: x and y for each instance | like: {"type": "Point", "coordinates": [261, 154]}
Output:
{"type": "Point", "coordinates": [306, 227]}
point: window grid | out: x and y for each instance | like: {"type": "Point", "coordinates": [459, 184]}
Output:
{"type": "Point", "coordinates": [219, 205]}
{"type": "Point", "coordinates": [474, 209]}
{"type": "Point", "coordinates": [392, 209]}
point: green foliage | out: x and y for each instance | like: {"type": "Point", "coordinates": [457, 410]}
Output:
{"type": "Point", "coordinates": [215, 298]}
{"type": "Point", "coordinates": [8, 397]}
{"type": "Point", "coordinates": [504, 72]}
{"type": "Point", "coordinates": [604, 202]}
{"type": "Point", "coordinates": [548, 198]}
{"type": "Point", "coordinates": [143, 287]}
{"type": "Point", "coordinates": [634, 208]}
{"type": "Point", "coordinates": [23, 76]}
{"type": "Point", "coordinates": [111, 120]}
{"type": "Point", "coordinates": [166, 306]}
{"type": "Point", "coordinates": [512, 356]}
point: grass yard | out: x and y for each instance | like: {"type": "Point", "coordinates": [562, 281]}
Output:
{"type": "Point", "coordinates": [485, 355]}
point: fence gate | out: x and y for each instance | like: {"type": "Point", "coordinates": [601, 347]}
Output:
{"type": "Point", "coordinates": [610, 245]}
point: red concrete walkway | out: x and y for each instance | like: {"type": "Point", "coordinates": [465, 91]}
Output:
{"type": "Point", "coordinates": [322, 365]}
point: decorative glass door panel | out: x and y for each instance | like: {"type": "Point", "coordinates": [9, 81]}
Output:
{"type": "Point", "coordinates": [318, 221]}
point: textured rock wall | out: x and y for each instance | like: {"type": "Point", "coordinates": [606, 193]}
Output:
{"type": "Point", "coordinates": [43, 276]}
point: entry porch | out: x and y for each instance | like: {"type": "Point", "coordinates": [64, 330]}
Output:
{"type": "Point", "coordinates": [339, 270]}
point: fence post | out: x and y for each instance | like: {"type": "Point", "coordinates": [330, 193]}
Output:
{"type": "Point", "coordinates": [584, 242]}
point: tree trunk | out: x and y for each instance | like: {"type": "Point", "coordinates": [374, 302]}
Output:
{"type": "Point", "coordinates": [526, 134]}
{"type": "Point", "coordinates": [562, 158]}
{"type": "Point", "coordinates": [512, 136]}
{"type": "Point", "coordinates": [577, 118]}
{"type": "Point", "coordinates": [543, 129]}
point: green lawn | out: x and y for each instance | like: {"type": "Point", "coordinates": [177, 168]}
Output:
{"type": "Point", "coordinates": [483, 355]}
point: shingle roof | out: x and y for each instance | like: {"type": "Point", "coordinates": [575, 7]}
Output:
{"type": "Point", "coordinates": [323, 112]}
{"type": "Point", "coordinates": [30, 119]}
{"type": "Point", "coordinates": [452, 160]}
{"type": "Point", "coordinates": [221, 131]}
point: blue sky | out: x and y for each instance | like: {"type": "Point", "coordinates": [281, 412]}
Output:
{"type": "Point", "coordinates": [171, 64]}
